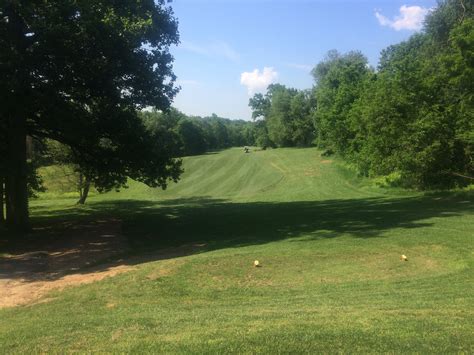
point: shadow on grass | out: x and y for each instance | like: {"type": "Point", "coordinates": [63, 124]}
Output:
{"type": "Point", "coordinates": [221, 224]}
{"type": "Point", "coordinates": [190, 225]}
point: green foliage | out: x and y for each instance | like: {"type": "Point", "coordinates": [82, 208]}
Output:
{"type": "Point", "coordinates": [417, 115]}
{"type": "Point", "coordinates": [414, 117]}
{"type": "Point", "coordinates": [390, 180]}
{"type": "Point", "coordinates": [340, 79]}
{"type": "Point", "coordinates": [193, 135]}
{"type": "Point", "coordinates": [278, 118]}
{"type": "Point", "coordinates": [460, 67]}
{"type": "Point", "coordinates": [286, 117]}
{"type": "Point", "coordinates": [448, 14]}
{"type": "Point", "coordinates": [261, 135]}
{"type": "Point", "coordinates": [78, 72]}
{"type": "Point", "coordinates": [163, 127]}
{"type": "Point", "coordinates": [260, 105]}
{"type": "Point", "coordinates": [34, 180]}
{"type": "Point", "coordinates": [302, 107]}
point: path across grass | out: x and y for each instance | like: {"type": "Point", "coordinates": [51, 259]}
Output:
{"type": "Point", "coordinates": [331, 278]}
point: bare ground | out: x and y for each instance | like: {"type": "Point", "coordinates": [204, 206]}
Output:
{"type": "Point", "coordinates": [27, 275]}
{"type": "Point", "coordinates": [78, 253]}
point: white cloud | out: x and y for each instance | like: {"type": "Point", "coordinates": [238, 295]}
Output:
{"type": "Point", "coordinates": [213, 49]}
{"type": "Point", "coordinates": [410, 18]}
{"type": "Point", "coordinates": [257, 81]}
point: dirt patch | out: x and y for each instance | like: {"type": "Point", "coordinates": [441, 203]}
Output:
{"type": "Point", "coordinates": [327, 161]}
{"type": "Point", "coordinates": [78, 253]}
{"type": "Point", "coordinates": [60, 261]}
{"type": "Point", "coordinates": [19, 292]}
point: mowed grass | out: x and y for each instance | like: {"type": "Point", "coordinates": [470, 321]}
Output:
{"type": "Point", "coordinates": [331, 278]}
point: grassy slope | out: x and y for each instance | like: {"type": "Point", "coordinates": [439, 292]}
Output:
{"type": "Point", "coordinates": [331, 278]}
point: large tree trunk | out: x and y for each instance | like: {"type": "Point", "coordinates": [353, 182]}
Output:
{"type": "Point", "coordinates": [2, 201]}
{"type": "Point", "coordinates": [16, 169]}
{"type": "Point", "coordinates": [83, 189]}
{"type": "Point", "coordinates": [16, 177]}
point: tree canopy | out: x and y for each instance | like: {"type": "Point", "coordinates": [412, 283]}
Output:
{"type": "Point", "coordinates": [286, 115]}
{"type": "Point", "coordinates": [416, 117]}
{"type": "Point", "coordinates": [78, 72]}
{"type": "Point", "coordinates": [411, 118]}
{"type": "Point", "coordinates": [193, 135]}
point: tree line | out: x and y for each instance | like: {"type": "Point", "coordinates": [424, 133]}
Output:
{"type": "Point", "coordinates": [177, 133]}
{"type": "Point", "coordinates": [172, 130]}
{"type": "Point", "coordinates": [192, 135]}
{"type": "Point", "coordinates": [411, 119]}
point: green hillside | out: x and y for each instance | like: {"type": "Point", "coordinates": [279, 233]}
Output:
{"type": "Point", "coordinates": [285, 174]}
{"type": "Point", "coordinates": [329, 245]}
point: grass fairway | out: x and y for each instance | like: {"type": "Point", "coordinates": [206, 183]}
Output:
{"type": "Point", "coordinates": [331, 278]}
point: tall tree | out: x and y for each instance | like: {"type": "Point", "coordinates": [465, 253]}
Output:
{"type": "Point", "coordinates": [416, 118]}
{"type": "Point", "coordinates": [279, 119]}
{"type": "Point", "coordinates": [193, 137]}
{"type": "Point", "coordinates": [78, 71]}
{"type": "Point", "coordinates": [302, 107]}
{"type": "Point", "coordinates": [339, 79]}
{"type": "Point", "coordinates": [3, 153]}
{"type": "Point", "coordinates": [286, 114]}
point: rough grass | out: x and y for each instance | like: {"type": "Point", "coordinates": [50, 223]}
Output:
{"type": "Point", "coordinates": [331, 278]}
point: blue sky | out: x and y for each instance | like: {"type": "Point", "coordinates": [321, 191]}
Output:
{"type": "Point", "coordinates": [226, 45]}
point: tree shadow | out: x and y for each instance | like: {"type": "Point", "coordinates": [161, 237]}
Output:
{"type": "Point", "coordinates": [221, 224]}
{"type": "Point", "coordinates": [107, 233]}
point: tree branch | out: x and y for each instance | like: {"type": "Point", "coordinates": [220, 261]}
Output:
{"type": "Point", "coordinates": [460, 175]}
{"type": "Point", "coordinates": [464, 11]}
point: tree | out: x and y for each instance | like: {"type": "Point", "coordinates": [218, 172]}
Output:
{"type": "Point", "coordinates": [260, 105]}
{"type": "Point", "coordinates": [447, 15]}
{"type": "Point", "coordinates": [261, 135]}
{"type": "Point", "coordinates": [78, 72]}
{"type": "Point", "coordinates": [339, 80]}
{"type": "Point", "coordinates": [415, 116]}
{"type": "Point", "coordinates": [302, 107]}
{"type": "Point", "coordinates": [412, 118]}
{"type": "Point", "coordinates": [220, 133]}
{"type": "Point", "coordinates": [279, 120]}
{"type": "Point", "coordinates": [3, 153]}
{"type": "Point", "coordinates": [287, 116]}
{"type": "Point", "coordinates": [163, 125]}
{"type": "Point", "coordinates": [195, 135]}
{"type": "Point", "coordinates": [62, 156]}
{"type": "Point", "coordinates": [459, 65]}
{"type": "Point", "coordinates": [192, 136]}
